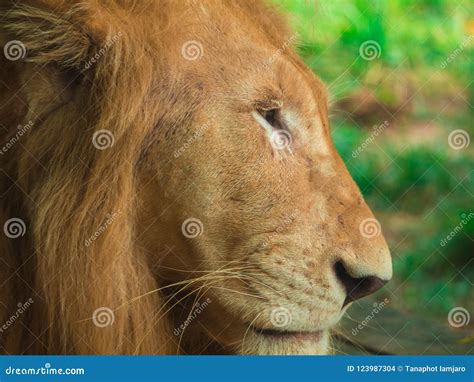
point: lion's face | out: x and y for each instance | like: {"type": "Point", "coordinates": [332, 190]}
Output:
{"type": "Point", "coordinates": [223, 183]}
{"type": "Point", "coordinates": [248, 200]}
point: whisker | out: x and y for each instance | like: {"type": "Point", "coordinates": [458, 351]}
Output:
{"type": "Point", "coordinates": [248, 328]}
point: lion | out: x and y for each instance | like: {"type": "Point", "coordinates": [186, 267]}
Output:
{"type": "Point", "coordinates": [169, 184]}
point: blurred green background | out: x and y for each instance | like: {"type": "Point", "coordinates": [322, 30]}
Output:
{"type": "Point", "coordinates": [399, 74]}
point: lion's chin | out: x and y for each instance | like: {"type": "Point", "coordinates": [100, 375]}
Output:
{"type": "Point", "coordinates": [265, 342]}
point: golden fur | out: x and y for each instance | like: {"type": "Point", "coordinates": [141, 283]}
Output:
{"type": "Point", "coordinates": [186, 145]}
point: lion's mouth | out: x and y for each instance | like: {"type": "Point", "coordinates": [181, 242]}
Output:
{"type": "Point", "coordinates": [289, 335]}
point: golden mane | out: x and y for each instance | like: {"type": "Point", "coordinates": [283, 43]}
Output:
{"type": "Point", "coordinates": [66, 198]}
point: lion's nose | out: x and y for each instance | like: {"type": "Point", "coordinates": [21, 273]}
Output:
{"type": "Point", "coordinates": [357, 287]}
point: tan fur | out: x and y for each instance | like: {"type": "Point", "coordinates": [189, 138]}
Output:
{"type": "Point", "coordinates": [275, 222]}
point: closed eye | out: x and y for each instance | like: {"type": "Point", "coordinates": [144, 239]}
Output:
{"type": "Point", "coordinates": [271, 116]}
{"type": "Point", "coordinates": [273, 122]}
{"type": "Point", "coordinates": [270, 119]}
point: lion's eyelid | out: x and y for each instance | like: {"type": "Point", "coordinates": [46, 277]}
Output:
{"type": "Point", "coordinates": [268, 104]}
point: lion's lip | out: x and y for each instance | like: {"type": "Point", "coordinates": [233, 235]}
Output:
{"type": "Point", "coordinates": [289, 334]}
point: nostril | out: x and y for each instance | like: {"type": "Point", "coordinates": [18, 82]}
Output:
{"type": "Point", "coordinates": [357, 287]}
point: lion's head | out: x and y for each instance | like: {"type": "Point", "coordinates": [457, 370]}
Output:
{"type": "Point", "coordinates": [175, 184]}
